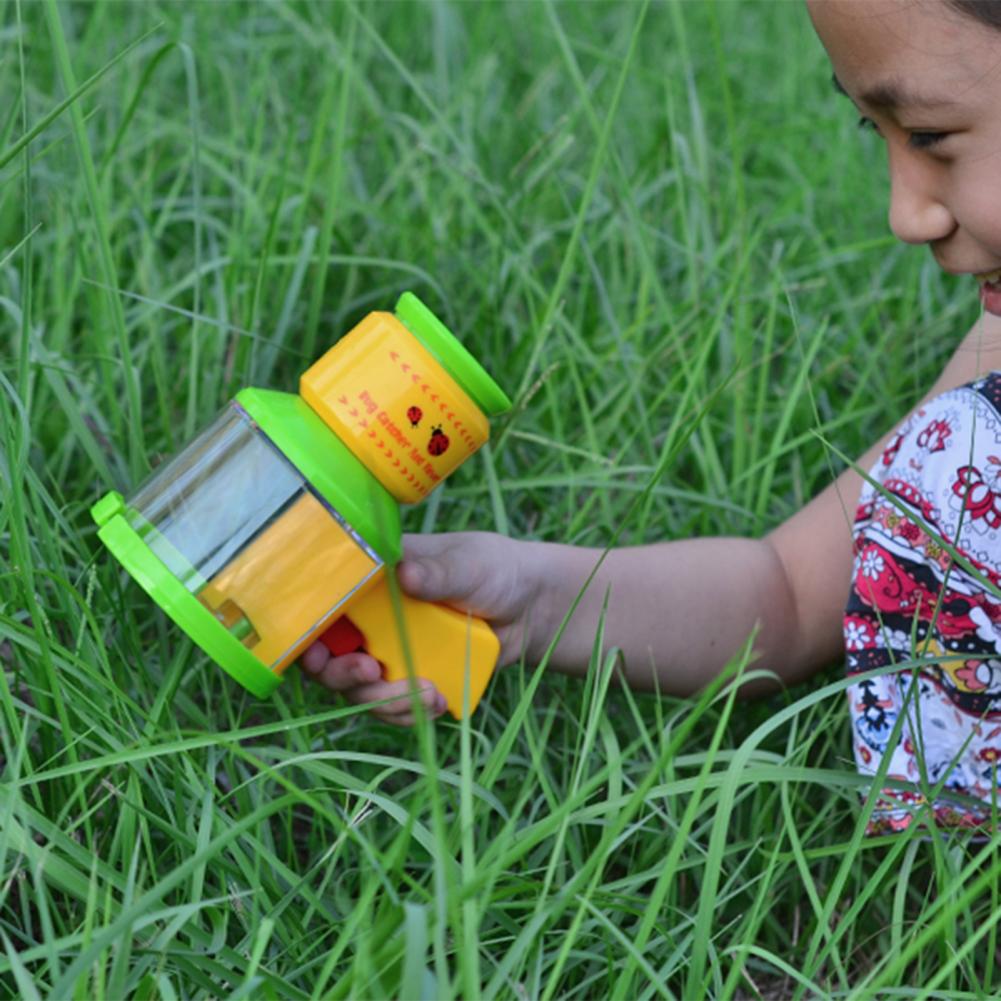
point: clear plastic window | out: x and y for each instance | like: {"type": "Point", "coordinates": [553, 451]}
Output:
{"type": "Point", "coordinates": [238, 525]}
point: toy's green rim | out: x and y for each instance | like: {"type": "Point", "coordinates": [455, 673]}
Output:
{"type": "Point", "coordinates": [449, 352]}
{"type": "Point", "coordinates": [172, 596]}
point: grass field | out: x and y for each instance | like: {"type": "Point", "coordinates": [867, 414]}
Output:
{"type": "Point", "coordinates": [664, 235]}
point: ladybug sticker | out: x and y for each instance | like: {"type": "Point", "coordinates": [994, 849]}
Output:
{"type": "Point", "coordinates": [438, 445]}
{"type": "Point", "coordinates": [414, 415]}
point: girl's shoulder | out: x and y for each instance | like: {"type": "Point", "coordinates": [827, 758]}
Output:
{"type": "Point", "coordinates": [965, 419]}
{"type": "Point", "coordinates": [942, 470]}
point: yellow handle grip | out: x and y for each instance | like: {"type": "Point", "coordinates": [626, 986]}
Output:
{"type": "Point", "coordinates": [447, 647]}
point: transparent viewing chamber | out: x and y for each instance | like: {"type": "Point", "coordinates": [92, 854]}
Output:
{"type": "Point", "coordinates": [237, 524]}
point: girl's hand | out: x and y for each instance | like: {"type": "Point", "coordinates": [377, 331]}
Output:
{"type": "Point", "coordinates": [487, 574]}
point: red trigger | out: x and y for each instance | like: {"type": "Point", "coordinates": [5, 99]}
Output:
{"type": "Point", "coordinates": [343, 637]}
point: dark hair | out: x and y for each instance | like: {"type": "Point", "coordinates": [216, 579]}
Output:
{"type": "Point", "coordinates": [986, 11]}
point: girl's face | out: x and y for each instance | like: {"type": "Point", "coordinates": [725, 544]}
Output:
{"type": "Point", "coordinates": [928, 79]}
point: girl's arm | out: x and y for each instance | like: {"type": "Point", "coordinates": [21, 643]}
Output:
{"type": "Point", "coordinates": [678, 610]}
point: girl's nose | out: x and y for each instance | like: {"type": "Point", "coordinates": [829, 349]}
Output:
{"type": "Point", "coordinates": [918, 213]}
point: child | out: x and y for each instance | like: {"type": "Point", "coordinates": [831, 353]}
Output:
{"type": "Point", "coordinates": [927, 77]}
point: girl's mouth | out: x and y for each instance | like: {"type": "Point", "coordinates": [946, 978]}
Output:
{"type": "Point", "coordinates": [990, 291]}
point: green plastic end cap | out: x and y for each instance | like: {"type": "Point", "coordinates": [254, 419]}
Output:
{"type": "Point", "coordinates": [451, 354]}
{"type": "Point", "coordinates": [172, 596]}
{"type": "Point", "coordinates": [107, 507]}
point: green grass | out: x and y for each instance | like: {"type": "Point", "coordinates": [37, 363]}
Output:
{"type": "Point", "coordinates": [666, 240]}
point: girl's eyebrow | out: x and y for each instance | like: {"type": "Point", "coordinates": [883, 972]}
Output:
{"type": "Point", "coordinates": [891, 96]}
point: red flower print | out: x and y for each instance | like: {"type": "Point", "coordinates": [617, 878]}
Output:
{"type": "Point", "coordinates": [978, 497]}
{"type": "Point", "coordinates": [935, 435]}
{"type": "Point", "coordinates": [891, 450]}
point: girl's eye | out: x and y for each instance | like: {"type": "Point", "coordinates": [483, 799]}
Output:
{"type": "Point", "coordinates": [925, 140]}
{"type": "Point", "coordinates": [916, 140]}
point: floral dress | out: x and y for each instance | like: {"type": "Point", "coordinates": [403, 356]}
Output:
{"type": "Point", "coordinates": [926, 594]}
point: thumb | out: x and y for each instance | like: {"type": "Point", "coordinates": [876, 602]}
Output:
{"type": "Point", "coordinates": [433, 569]}
{"type": "Point", "coordinates": [428, 578]}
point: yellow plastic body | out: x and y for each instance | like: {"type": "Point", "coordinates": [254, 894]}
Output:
{"type": "Point", "coordinates": [390, 401]}
{"type": "Point", "coordinates": [445, 646]}
{"type": "Point", "coordinates": [290, 582]}
{"type": "Point", "coordinates": [305, 571]}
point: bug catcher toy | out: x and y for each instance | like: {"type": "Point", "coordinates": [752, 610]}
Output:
{"type": "Point", "coordinates": [276, 525]}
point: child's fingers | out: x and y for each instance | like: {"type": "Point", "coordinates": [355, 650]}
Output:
{"type": "Point", "coordinates": [315, 657]}
{"type": "Point", "coordinates": [359, 678]}
{"type": "Point", "coordinates": [340, 674]}
{"type": "Point", "coordinates": [400, 710]}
